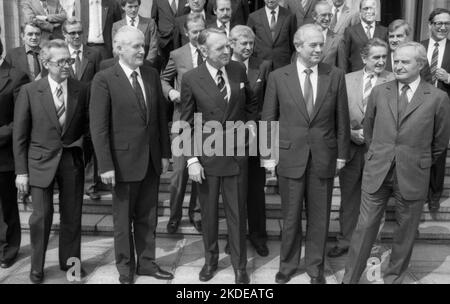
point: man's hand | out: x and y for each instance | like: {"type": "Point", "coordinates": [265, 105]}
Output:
{"type": "Point", "coordinates": [22, 184]}
{"type": "Point", "coordinates": [269, 165]}
{"type": "Point", "coordinates": [196, 172]}
{"type": "Point", "coordinates": [41, 18]}
{"type": "Point", "coordinates": [442, 75]}
{"type": "Point", "coordinates": [174, 96]}
{"type": "Point", "coordinates": [165, 165]}
{"type": "Point", "coordinates": [109, 178]}
{"type": "Point", "coordinates": [340, 164]}
{"type": "Point", "coordinates": [357, 136]}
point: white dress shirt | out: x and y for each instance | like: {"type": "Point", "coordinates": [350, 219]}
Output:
{"type": "Point", "coordinates": [372, 30]}
{"type": "Point", "coordinates": [1, 61]}
{"type": "Point", "coordinates": [373, 81]}
{"type": "Point", "coordinates": [73, 54]}
{"type": "Point", "coordinates": [269, 13]}
{"type": "Point", "coordinates": [442, 44]}
{"type": "Point", "coordinates": [213, 72]}
{"type": "Point", "coordinates": [333, 10]}
{"type": "Point", "coordinates": [194, 56]}
{"type": "Point", "coordinates": [95, 34]}
{"type": "Point", "coordinates": [314, 77]}
{"type": "Point", "coordinates": [136, 21]}
{"type": "Point", "coordinates": [412, 88]}
{"type": "Point", "coordinates": [54, 88]}
{"type": "Point", "coordinates": [128, 72]}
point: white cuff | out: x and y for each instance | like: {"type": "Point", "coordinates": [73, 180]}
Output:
{"type": "Point", "coordinates": [192, 161]}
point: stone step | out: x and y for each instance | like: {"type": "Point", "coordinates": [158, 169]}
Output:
{"type": "Point", "coordinates": [102, 225]}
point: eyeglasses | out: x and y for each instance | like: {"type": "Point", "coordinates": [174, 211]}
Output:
{"type": "Point", "coordinates": [63, 62]}
{"type": "Point", "coordinates": [440, 24]}
{"type": "Point", "coordinates": [79, 33]}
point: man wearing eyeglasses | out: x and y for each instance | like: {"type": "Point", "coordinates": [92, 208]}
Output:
{"type": "Point", "coordinates": [438, 54]}
{"type": "Point", "coordinates": [50, 121]}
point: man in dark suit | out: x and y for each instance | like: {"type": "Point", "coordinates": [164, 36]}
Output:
{"type": "Point", "coordinates": [242, 41]}
{"type": "Point", "coordinates": [26, 57]}
{"type": "Point", "coordinates": [131, 140]}
{"type": "Point", "coordinates": [356, 36]}
{"type": "Point", "coordinates": [309, 100]}
{"type": "Point", "coordinates": [302, 9]}
{"type": "Point", "coordinates": [274, 27]}
{"type": "Point", "coordinates": [343, 17]}
{"type": "Point", "coordinates": [406, 128]}
{"type": "Point", "coordinates": [146, 25]}
{"type": "Point", "coordinates": [50, 121]}
{"type": "Point", "coordinates": [164, 13]}
{"type": "Point", "coordinates": [11, 80]}
{"type": "Point", "coordinates": [359, 86]}
{"type": "Point", "coordinates": [197, 6]}
{"type": "Point", "coordinates": [438, 54]}
{"type": "Point", "coordinates": [220, 92]}
{"type": "Point", "coordinates": [181, 61]}
{"type": "Point", "coordinates": [223, 12]}
{"type": "Point", "coordinates": [97, 17]}
{"type": "Point", "coordinates": [239, 10]}
{"type": "Point", "coordinates": [49, 15]}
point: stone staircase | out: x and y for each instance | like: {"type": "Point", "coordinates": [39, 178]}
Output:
{"type": "Point", "coordinates": [97, 215]}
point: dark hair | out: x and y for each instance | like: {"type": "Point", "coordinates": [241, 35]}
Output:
{"type": "Point", "coordinates": [193, 18]}
{"type": "Point", "coordinates": [124, 2]}
{"type": "Point", "coordinates": [370, 44]}
{"type": "Point", "coordinates": [215, 4]}
{"type": "Point", "coordinates": [70, 21]}
{"type": "Point", "coordinates": [436, 12]}
{"type": "Point", "coordinates": [396, 24]}
{"type": "Point", "coordinates": [32, 24]}
{"type": "Point", "coordinates": [203, 36]}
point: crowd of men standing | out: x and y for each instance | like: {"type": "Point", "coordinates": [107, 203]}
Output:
{"type": "Point", "coordinates": [92, 103]}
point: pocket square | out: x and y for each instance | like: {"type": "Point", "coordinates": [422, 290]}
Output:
{"type": "Point", "coordinates": [242, 85]}
{"type": "Point", "coordinates": [259, 80]}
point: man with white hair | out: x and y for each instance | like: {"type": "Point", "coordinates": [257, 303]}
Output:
{"type": "Point", "coordinates": [129, 130]}
{"type": "Point", "coordinates": [406, 129]}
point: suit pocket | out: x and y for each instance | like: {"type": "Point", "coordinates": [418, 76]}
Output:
{"type": "Point", "coordinates": [284, 144]}
{"type": "Point", "coordinates": [425, 163]}
{"type": "Point", "coordinates": [121, 147]}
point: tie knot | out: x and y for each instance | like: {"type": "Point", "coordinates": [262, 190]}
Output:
{"type": "Point", "coordinates": [77, 52]}
{"type": "Point", "coordinates": [436, 44]}
{"type": "Point", "coordinates": [405, 88]}
{"type": "Point", "coordinates": [134, 75]}
{"type": "Point", "coordinates": [219, 73]}
{"type": "Point", "coordinates": [370, 76]}
{"type": "Point", "coordinates": [273, 12]}
{"type": "Point", "coordinates": [369, 26]}
{"type": "Point", "coordinates": [308, 72]}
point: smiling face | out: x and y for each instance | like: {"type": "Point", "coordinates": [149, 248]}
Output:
{"type": "Point", "coordinates": [397, 37]}
{"type": "Point", "coordinates": [439, 27]}
{"type": "Point", "coordinates": [310, 51]}
{"type": "Point", "coordinates": [31, 36]}
{"type": "Point", "coordinates": [406, 66]}
{"type": "Point", "coordinates": [368, 11]}
{"type": "Point", "coordinates": [193, 31]}
{"type": "Point", "coordinates": [323, 15]}
{"type": "Point", "coordinates": [243, 47]}
{"type": "Point", "coordinates": [376, 60]}
{"type": "Point", "coordinates": [73, 34]}
{"type": "Point", "coordinates": [57, 69]}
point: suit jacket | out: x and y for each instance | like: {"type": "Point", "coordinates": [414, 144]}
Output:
{"type": "Point", "coordinates": [38, 138]}
{"type": "Point", "coordinates": [324, 137]}
{"type": "Point", "coordinates": [90, 64]}
{"type": "Point", "coordinates": [279, 49]}
{"type": "Point", "coordinates": [148, 27]}
{"type": "Point", "coordinates": [200, 94]}
{"type": "Point", "coordinates": [303, 15]}
{"type": "Point", "coordinates": [110, 14]}
{"type": "Point", "coordinates": [333, 50]}
{"type": "Point", "coordinates": [126, 138]}
{"type": "Point", "coordinates": [414, 142]}
{"type": "Point", "coordinates": [445, 65]}
{"type": "Point", "coordinates": [355, 85]}
{"type": "Point", "coordinates": [354, 39]}
{"type": "Point", "coordinates": [239, 11]}
{"type": "Point", "coordinates": [348, 18]}
{"type": "Point", "coordinates": [11, 80]}
{"type": "Point", "coordinates": [51, 29]}
{"type": "Point", "coordinates": [425, 73]}
{"type": "Point", "coordinates": [179, 36]}
{"type": "Point", "coordinates": [17, 58]}
{"type": "Point", "coordinates": [165, 19]}
{"type": "Point", "coordinates": [257, 74]}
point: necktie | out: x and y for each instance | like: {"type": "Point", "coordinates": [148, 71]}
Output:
{"type": "Point", "coordinates": [199, 58]}
{"type": "Point", "coordinates": [273, 23]}
{"type": "Point", "coordinates": [334, 19]}
{"type": "Point", "coordinates": [139, 93]}
{"type": "Point", "coordinates": [37, 66]}
{"type": "Point", "coordinates": [221, 85]}
{"type": "Point", "coordinates": [308, 92]}
{"type": "Point", "coordinates": [44, 6]}
{"type": "Point", "coordinates": [173, 6]}
{"type": "Point", "coordinates": [133, 20]}
{"type": "Point", "coordinates": [403, 102]}
{"type": "Point", "coordinates": [367, 90]}
{"type": "Point", "coordinates": [434, 62]}
{"type": "Point", "coordinates": [77, 64]}
{"type": "Point", "coordinates": [368, 33]}
{"type": "Point", "coordinates": [60, 107]}
{"type": "Point", "coordinates": [304, 4]}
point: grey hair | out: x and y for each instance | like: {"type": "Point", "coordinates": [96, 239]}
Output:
{"type": "Point", "coordinates": [421, 52]}
{"type": "Point", "coordinates": [300, 33]}
{"type": "Point", "coordinates": [241, 30]}
{"type": "Point", "coordinates": [204, 35]}
{"type": "Point", "coordinates": [52, 44]}
{"type": "Point", "coordinates": [122, 35]}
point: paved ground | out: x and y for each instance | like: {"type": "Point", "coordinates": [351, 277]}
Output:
{"type": "Point", "coordinates": [184, 256]}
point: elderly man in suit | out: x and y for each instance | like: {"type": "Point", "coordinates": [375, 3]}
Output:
{"type": "Point", "coordinates": [220, 92]}
{"type": "Point", "coordinates": [164, 12]}
{"type": "Point", "coordinates": [49, 15]}
{"type": "Point", "coordinates": [438, 55]}
{"type": "Point", "coordinates": [50, 121]}
{"type": "Point", "coordinates": [146, 25]}
{"type": "Point", "coordinates": [406, 129]}
{"type": "Point", "coordinates": [11, 80]}
{"type": "Point", "coordinates": [359, 86]}
{"type": "Point", "coordinates": [343, 17]}
{"type": "Point", "coordinates": [98, 17]}
{"type": "Point", "coordinates": [26, 58]}
{"type": "Point", "coordinates": [302, 9]}
{"type": "Point", "coordinates": [196, 6]}
{"type": "Point", "coordinates": [181, 61]}
{"type": "Point", "coordinates": [239, 11]}
{"type": "Point", "coordinates": [356, 36]}
{"type": "Point", "coordinates": [242, 41]}
{"type": "Point", "coordinates": [131, 140]}
{"type": "Point", "coordinates": [274, 27]}
{"type": "Point", "coordinates": [309, 100]}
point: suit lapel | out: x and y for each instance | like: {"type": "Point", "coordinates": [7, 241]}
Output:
{"type": "Point", "coordinates": [84, 62]}
{"type": "Point", "coordinates": [357, 83]}
{"type": "Point", "coordinates": [392, 98]}
{"type": "Point", "coordinates": [328, 42]}
{"type": "Point", "coordinates": [4, 75]}
{"type": "Point", "coordinates": [72, 102]}
{"type": "Point", "coordinates": [263, 16]}
{"type": "Point", "coordinates": [181, 7]}
{"type": "Point", "coordinates": [279, 25]}
{"type": "Point", "coordinates": [362, 34]}
{"type": "Point", "coordinates": [234, 90]}
{"type": "Point", "coordinates": [23, 61]}
{"type": "Point", "coordinates": [147, 81]}
{"type": "Point", "coordinates": [48, 102]}
{"type": "Point", "coordinates": [142, 26]}
{"type": "Point", "coordinates": [253, 72]}
{"type": "Point", "coordinates": [323, 83]}
{"type": "Point", "coordinates": [377, 33]}
{"type": "Point", "coordinates": [446, 59]}
{"type": "Point", "coordinates": [293, 84]}
{"type": "Point", "coordinates": [344, 14]}
{"type": "Point", "coordinates": [187, 57]}
{"type": "Point", "coordinates": [418, 98]}
{"type": "Point", "coordinates": [105, 6]}
{"type": "Point", "coordinates": [209, 86]}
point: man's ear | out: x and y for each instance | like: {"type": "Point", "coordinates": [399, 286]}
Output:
{"type": "Point", "coordinates": [204, 50]}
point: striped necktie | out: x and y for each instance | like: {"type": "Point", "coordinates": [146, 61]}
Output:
{"type": "Point", "coordinates": [434, 62]}
{"type": "Point", "coordinates": [221, 85]}
{"type": "Point", "coordinates": [60, 107]}
{"type": "Point", "coordinates": [367, 90]}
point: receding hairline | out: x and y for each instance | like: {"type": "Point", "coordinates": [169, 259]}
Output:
{"type": "Point", "coordinates": [123, 34]}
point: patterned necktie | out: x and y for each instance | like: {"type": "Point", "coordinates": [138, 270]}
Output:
{"type": "Point", "coordinates": [36, 64]}
{"type": "Point", "coordinates": [434, 63]}
{"type": "Point", "coordinates": [133, 20]}
{"type": "Point", "coordinates": [221, 85]}
{"type": "Point", "coordinates": [403, 102]}
{"type": "Point", "coordinates": [60, 107]}
{"type": "Point", "coordinates": [173, 6]}
{"type": "Point", "coordinates": [77, 64]}
{"type": "Point", "coordinates": [304, 4]}
{"type": "Point", "coordinates": [367, 90]}
{"type": "Point", "coordinates": [308, 92]}
{"type": "Point", "coordinates": [45, 6]}
{"type": "Point", "coordinates": [199, 58]}
{"type": "Point", "coordinates": [139, 93]}
{"type": "Point", "coordinates": [273, 23]}
{"type": "Point", "coordinates": [368, 33]}
{"type": "Point", "coordinates": [334, 19]}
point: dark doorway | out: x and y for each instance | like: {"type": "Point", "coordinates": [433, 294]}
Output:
{"type": "Point", "coordinates": [391, 10]}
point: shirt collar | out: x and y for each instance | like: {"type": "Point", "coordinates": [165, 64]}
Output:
{"type": "Point", "coordinates": [54, 85]}
{"type": "Point", "coordinates": [213, 71]}
{"type": "Point", "coordinates": [28, 49]}
{"type": "Point", "coordinates": [366, 74]}
{"type": "Point", "coordinates": [219, 24]}
{"type": "Point", "coordinates": [441, 43]}
{"type": "Point", "coordinates": [269, 11]}
{"type": "Point", "coordinates": [193, 48]}
{"type": "Point", "coordinates": [365, 25]}
{"type": "Point", "coordinates": [72, 50]}
{"type": "Point", "coordinates": [413, 85]}
{"type": "Point", "coordinates": [136, 20]}
{"type": "Point", "coordinates": [128, 71]}
{"type": "Point", "coordinates": [301, 67]}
